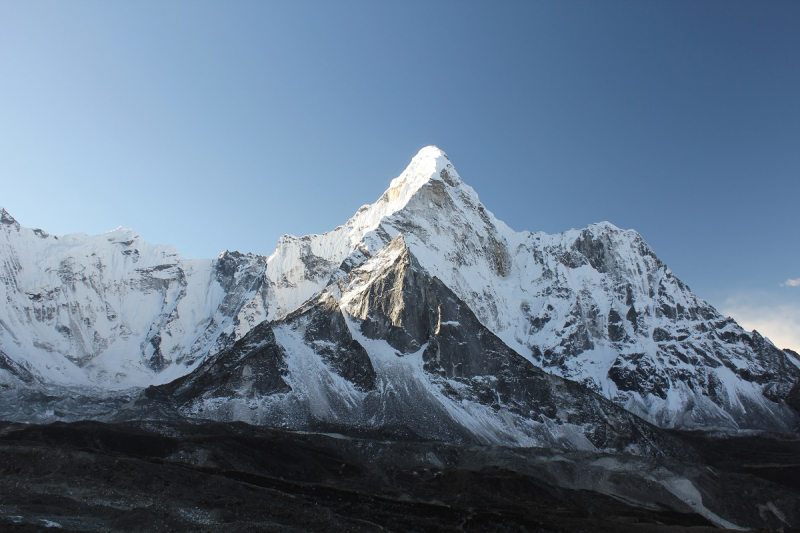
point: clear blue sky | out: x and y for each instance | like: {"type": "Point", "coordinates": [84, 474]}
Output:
{"type": "Point", "coordinates": [222, 125]}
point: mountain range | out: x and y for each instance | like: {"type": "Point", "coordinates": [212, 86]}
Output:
{"type": "Point", "coordinates": [425, 287]}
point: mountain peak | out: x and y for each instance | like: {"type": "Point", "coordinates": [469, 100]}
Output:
{"type": "Point", "coordinates": [6, 218]}
{"type": "Point", "coordinates": [602, 226]}
{"type": "Point", "coordinates": [431, 151]}
{"type": "Point", "coordinates": [430, 163]}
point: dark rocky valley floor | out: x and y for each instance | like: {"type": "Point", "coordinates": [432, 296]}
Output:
{"type": "Point", "coordinates": [92, 476]}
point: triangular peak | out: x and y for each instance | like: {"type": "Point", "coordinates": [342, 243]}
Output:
{"type": "Point", "coordinates": [430, 164]}
{"type": "Point", "coordinates": [6, 218]}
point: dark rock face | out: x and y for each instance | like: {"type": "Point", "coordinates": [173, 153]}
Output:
{"type": "Point", "coordinates": [633, 317]}
{"type": "Point", "coordinates": [157, 362]}
{"type": "Point", "coordinates": [327, 333]}
{"type": "Point", "coordinates": [398, 306]}
{"type": "Point", "coordinates": [595, 249]}
{"type": "Point", "coordinates": [616, 332]}
{"type": "Point", "coordinates": [11, 371]}
{"type": "Point", "coordinates": [638, 372]}
{"type": "Point", "coordinates": [253, 366]}
{"type": "Point", "coordinates": [793, 398]}
{"type": "Point", "coordinates": [226, 268]}
{"type": "Point", "coordinates": [471, 363]}
{"type": "Point", "coordinates": [775, 366]}
{"type": "Point", "coordinates": [8, 220]}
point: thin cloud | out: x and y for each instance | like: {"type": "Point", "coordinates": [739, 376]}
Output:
{"type": "Point", "coordinates": [791, 283]}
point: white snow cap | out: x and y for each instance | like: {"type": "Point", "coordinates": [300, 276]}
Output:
{"type": "Point", "coordinates": [427, 165]}
{"type": "Point", "coordinates": [431, 151]}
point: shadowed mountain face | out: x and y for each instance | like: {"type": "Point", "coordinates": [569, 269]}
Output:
{"type": "Point", "coordinates": [390, 349]}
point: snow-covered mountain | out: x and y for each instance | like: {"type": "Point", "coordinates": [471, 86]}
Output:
{"type": "Point", "coordinates": [390, 348]}
{"type": "Point", "coordinates": [113, 311]}
{"type": "Point", "coordinates": [595, 306]}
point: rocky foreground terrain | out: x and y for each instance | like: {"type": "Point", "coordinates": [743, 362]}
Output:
{"type": "Point", "coordinates": [149, 476]}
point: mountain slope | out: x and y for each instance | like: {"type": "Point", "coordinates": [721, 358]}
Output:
{"type": "Point", "coordinates": [594, 305]}
{"type": "Point", "coordinates": [389, 348]}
